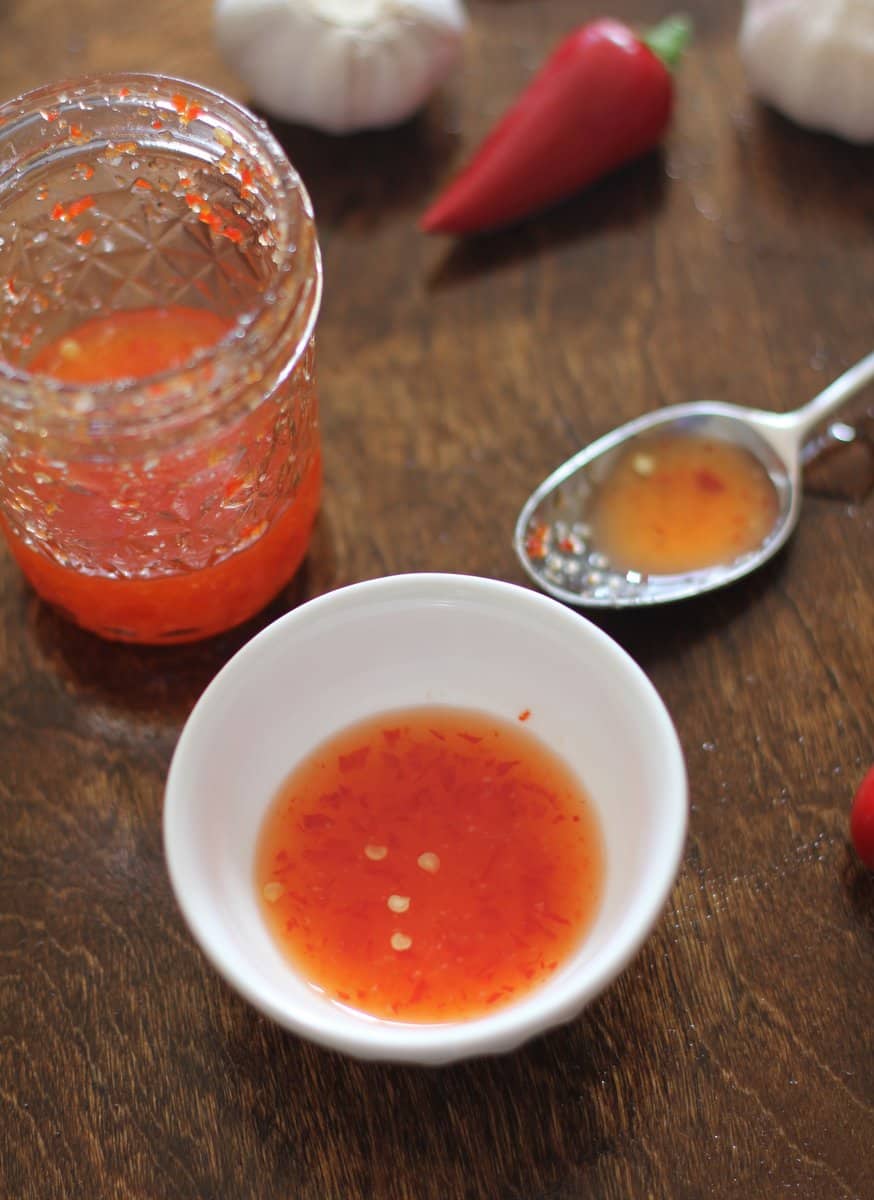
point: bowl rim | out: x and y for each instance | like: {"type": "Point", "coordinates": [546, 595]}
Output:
{"type": "Point", "coordinates": [547, 1006]}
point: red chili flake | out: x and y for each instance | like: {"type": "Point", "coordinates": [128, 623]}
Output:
{"type": "Point", "coordinates": [357, 758]}
{"type": "Point", "coordinates": [250, 532]}
{"type": "Point", "coordinates": [49, 115]}
{"type": "Point", "coordinates": [76, 131]}
{"type": "Point", "coordinates": [566, 545]}
{"type": "Point", "coordinates": [708, 482]}
{"type": "Point", "coordinates": [59, 213]}
{"type": "Point", "coordinates": [448, 776]}
{"type": "Point", "coordinates": [535, 543]}
{"type": "Point", "coordinates": [233, 235]}
{"type": "Point", "coordinates": [524, 714]}
{"type": "Point", "coordinates": [85, 238]}
{"type": "Point", "coordinates": [187, 109]}
{"type": "Point", "coordinates": [245, 179]}
{"type": "Point", "coordinates": [143, 184]}
{"type": "Point", "coordinates": [233, 487]}
{"type": "Point", "coordinates": [79, 206]}
{"type": "Point", "coordinates": [504, 767]}
{"type": "Point", "coordinates": [418, 991]}
{"type": "Point", "coordinates": [157, 123]}
{"type": "Point", "coordinates": [84, 171]}
{"type": "Point", "coordinates": [122, 92]}
{"type": "Point", "coordinates": [315, 820]}
{"type": "Point", "coordinates": [210, 218]}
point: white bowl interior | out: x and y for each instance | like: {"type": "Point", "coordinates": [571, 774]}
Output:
{"type": "Point", "coordinates": [397, 643]}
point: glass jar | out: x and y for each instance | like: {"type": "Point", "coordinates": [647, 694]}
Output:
{"type": "Point", "coordinates": [154, 500]}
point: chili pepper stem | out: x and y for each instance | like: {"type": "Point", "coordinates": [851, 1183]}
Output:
{"type": "Point", "coordinates": [669, 39]}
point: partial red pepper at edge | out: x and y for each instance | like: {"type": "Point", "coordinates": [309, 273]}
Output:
{"type": "Point", "coordinates": [862, 820]}
{"type": "Point", "coordinates": [603, 97]}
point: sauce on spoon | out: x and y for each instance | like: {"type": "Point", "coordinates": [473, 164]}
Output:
{"type": "Point", "coordinates": [599, 532]}
{"type": "Point", "coordinates": [676, 502]}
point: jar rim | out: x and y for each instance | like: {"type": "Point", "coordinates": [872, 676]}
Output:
{"type": "Point", "coordinates": [134, 88]}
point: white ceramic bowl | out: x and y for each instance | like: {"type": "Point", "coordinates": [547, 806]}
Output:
{"type": "Point", "coordinates": [400, 642]}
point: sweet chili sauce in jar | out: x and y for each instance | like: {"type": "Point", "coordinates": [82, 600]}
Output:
{"type": "Point", "coordinates": [160, 465]}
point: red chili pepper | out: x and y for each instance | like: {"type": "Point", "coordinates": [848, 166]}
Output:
{"type": "Point", "coordinates": [862, 820]}
{"type": "Point", "coordinates": [604, 97]}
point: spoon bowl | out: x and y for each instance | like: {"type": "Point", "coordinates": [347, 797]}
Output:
{"type": "Point", "coordinates": [553, 537]}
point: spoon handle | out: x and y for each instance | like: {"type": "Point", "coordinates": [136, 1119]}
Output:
{"type": "Point", "coordinates": [830, 399]}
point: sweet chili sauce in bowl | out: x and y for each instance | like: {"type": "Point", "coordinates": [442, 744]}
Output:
{"type": "Point", "coordinates": [430, 864]}
{"type": "Point", "coordinates": [160, 466]}
{"type": "Point", "coordinates": [457, 842]}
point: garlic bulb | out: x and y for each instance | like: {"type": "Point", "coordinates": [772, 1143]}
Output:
{"type": "Point", "coordinates": [814, 61]}
{"type": "Point", "coordinates": [340, 65]}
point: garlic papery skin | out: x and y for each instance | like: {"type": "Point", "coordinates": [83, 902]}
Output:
{"type": "Point", "coordinates": [813, 60]}
{"type": "Point", "coordinates": [341, 65]}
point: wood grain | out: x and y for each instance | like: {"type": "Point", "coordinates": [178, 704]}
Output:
{"type": "Point", "coordinates": [735, 1056]}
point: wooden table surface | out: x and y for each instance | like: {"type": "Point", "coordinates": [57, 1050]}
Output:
{"type": "Point", "coordinates": [734, 1056]}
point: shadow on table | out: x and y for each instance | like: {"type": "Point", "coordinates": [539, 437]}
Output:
{"type": "Point", "coordinates": [830, 167]}
{"type": "Point", "coordinates": [859, 884]}
{"type": "Point", "coordinates": [157, 686]}
{"type": "Point", "coordinates": [517, 1125]}
{"type": "Point", "coordinates": [160, 684]}
{"type": "Point", "coordinates": [362, 180]}
{"type": "Point", "coordinates": [665, 631]}
{"type": "Point", "coordinates": [627, 197]}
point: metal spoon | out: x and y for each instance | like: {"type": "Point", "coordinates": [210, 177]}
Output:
{"type": "Point", "coordinates": [573, 569]}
